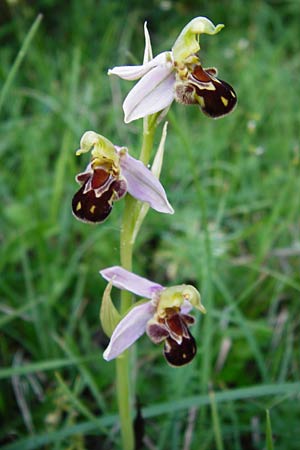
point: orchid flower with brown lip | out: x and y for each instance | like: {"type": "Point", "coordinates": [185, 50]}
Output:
{"type": "Point", "coordinates": [164, 317]}
{"type": "Point", "coordinates": [112, 173]}
{"type": "Point", "coordinates": [176, 75]}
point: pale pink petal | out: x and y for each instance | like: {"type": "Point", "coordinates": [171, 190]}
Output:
{"type": "Point", "coordinates": [153, 93]}
{"type": "Point", "coordinates": [143, 185]}
{"type": "Point", "coordinates": [136, 72]}
{"type": "Point", "coordinates": [186, 307]}
{"type": "Point", "coordinates": [128, 281]}
{"type": "Point", "coordinates": [131, 327]}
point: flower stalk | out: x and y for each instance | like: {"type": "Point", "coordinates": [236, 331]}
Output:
{"type": "Point", "coordinates": [149, 126]}
{"type": "Point", "coordinates": [124, 401]}
{"type": "Point", "coordinates": [127, 240]}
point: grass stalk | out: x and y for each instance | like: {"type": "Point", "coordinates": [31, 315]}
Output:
{"type": "Point", "coordinates": [19, 58]}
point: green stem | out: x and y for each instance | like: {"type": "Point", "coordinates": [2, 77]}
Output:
{"type": "Point", "coordinates": [127, 239]}
{"type": "Point", "coordinates": [122, 363]}
{"type": "Point", "coordinates": [124, 401]}
{"type": "Point", "coordinates": [148, 137]}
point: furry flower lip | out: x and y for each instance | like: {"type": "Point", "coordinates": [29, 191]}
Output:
{"type": "Point", "coordinates": [164, 317]}
{"type": "Point", "coordinates": [176, 75]}
{"type": "Point", "coordinates": [111, 173]}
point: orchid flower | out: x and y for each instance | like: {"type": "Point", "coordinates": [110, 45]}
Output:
{"type": "Point", "coordinates": [164, 317]}
{"type": "Point", "coordinates": [112, 173]}
{"type": "Point", "coordinates": [176, 75]}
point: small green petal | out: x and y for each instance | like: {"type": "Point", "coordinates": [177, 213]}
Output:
{"type": "Point", "coordinates": [191, 294]}
{"type": "Point", "coordinates": [103, 152]}
{"type": "Point", "coordinates": [187, 42]}
{"type": "Point", "coordinates": [97, 144]}
{"type": "Point", "coordinates": [109, 316]}
{"type": "Point", "coordinates": [173, 297]}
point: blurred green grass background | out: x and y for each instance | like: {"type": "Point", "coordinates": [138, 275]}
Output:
{"type": "Point", "coordinates": [234, 184]}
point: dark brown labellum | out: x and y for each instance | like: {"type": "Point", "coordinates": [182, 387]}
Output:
{"type": "Point", "coordinates": [180, 347]}
{"type": "Point", "coordinates": [93, 202]}
{"type": "Point", "coordinates": [180, 354]}
{"type": "Point", "coordinates": [215, 97]}
{"type": "Point", "coordinates": [89, 208]}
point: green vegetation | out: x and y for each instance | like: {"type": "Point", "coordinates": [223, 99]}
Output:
{"type": "Point", "coordinates": [234, 184]}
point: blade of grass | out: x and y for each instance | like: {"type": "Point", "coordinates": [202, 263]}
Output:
{"type": "Point", "coordinates": [65, 151]}
{"type": "Point", "coordinates": [288, 281]}
{"type": "Point", "coordinates": [40, 308]}
{"type": "Point", "coordinates": [244, 326]}
{"type": "Point", "coordinates": [286, 361]}
{"type": "Point", "coordinates": [85, 373]}
{"type": "Point", "coordinates": [73, 399]}
{"type": "Point", "coordinates": [216, 421]}
{"type": "Point", "coordinates": [19, 312]}
{"type": "Point", "coordinates": [20, 56]}
{"type": "Point", "coordinates": [269, 439]}
{"type": "Point", "coordinates": [38, 441]}
{"type": "Point", "coordinates": [252, 392]}
{"type": "Point", "coordinates": [41, 366]}
{"type": "Point", "coordinates": [232, 415]}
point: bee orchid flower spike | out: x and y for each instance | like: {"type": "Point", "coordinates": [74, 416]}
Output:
{"type": "Point", "coordinates": [164, 317]}
{"type": "Point", "coordinates": [177, 75]}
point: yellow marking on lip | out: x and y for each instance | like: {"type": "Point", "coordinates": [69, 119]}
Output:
{"type": "Point", "coordinates": [78, 206]}
{"type": "Point", "coordinates": [201, 101]}
{"type": "Point", "coordinates": [92, 209]}
{"type": "Point", "coordinates": [206, 86]}
{"type": "Point", "coordinates": [203, 85]}
{"type": "Point", "coordinates": [224, 100]}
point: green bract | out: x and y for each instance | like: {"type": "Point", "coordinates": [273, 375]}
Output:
{"type": "Point", "coordinates": [109, 316]}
